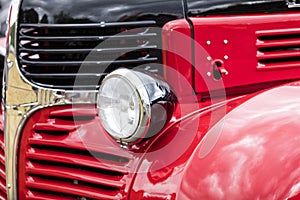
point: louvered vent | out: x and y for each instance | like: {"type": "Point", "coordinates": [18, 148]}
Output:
{"type": "Point", "coordinates": [278, 49]}
{"type": "Point", "coordinates": [52, 55]}
{"type": "Point", "coordinates": [56, 163]}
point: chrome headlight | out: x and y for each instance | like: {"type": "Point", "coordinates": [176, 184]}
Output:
{"type": "Point", "coordinates": [126, 100]}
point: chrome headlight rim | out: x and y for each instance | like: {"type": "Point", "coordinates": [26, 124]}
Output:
{"type": "Point", "coordinates": [137, 85]}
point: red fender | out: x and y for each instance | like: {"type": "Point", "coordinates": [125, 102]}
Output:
{"type": "Point", "coordinates": [255, 154]}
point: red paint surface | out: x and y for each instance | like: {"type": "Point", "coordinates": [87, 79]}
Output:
{"type": "Point", "coordinates": [253, 153]}
{"type": "Point", "coordinates": [177, 56]}
{"type": "Point", "coordinates": [256, 155]}
{"type": "Point", "coordinates": [243, 48]}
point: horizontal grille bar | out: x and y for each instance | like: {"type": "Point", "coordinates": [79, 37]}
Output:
{"type": "Point", "coordinates": [92, 25]}
{"type": "Point", "coordinates": [106, 50]}
{"type": "Point", "coordinates": [76, 63]}
{"type": "Point", "coordinates": [85, 38]}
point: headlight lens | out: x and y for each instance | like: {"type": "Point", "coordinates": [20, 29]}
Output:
{"type": "Point", "coordinates": [125, 103]}
{"type": "Point", "coordinates": [119, 108]}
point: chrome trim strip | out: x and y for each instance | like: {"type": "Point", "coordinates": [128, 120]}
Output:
{"type": "Point", "coordinates": [92, 25]}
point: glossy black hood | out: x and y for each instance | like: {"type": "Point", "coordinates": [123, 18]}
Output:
{"type": "Point", "coordinates": [93, 11]}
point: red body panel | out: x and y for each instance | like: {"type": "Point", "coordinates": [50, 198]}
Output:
{"type": "Point", "coordinates": [252, 153]}
{"type": "Point", "coordinates": [256, 156]}
{"type": "Point", "coordinates": [255, 49]}
{"type": "Point", "coordinates": [177, 56]}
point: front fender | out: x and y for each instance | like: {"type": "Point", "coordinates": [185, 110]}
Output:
{"type": "Point", "coordinates": [255, 154]}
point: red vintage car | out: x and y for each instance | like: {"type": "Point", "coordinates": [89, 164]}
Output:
{"type": "Point", "coordinates": [176, 99]}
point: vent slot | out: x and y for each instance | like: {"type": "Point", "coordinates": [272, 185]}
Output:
{"type": "Point", "coordinates": [278, 49]}
{"type": "Point", "coordinates": [54, 55]}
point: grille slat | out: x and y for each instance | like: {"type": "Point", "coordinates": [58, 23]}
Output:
{"type": "Point", "coordinates": [106, 50]}
{"type": "Point", "coordinates": [54, 127]}
{"type": "Point", "coordinates": [2, 171]}
{"type": "Point", "coordinates": [64, 76]}
{"type": "Point", "coordinates": [50, 138]}
{"type": "Point", "coordinates": [85, 38]}
{"type": "Point", "coordinates": [2, 141]}
{"type": "Point", "coordinates": [88, 50]}
{"type": "Point", "coordinates": [42, 195]}
{"type": "Point", "coordinates": [2, 159]}
{"type": "Point", "coordinates": [278, 49]}
{"type": "Point", "coordinates": [76, 63]}
{"type": "Point", "coordinates": [45, 155]}
{"type": "Point", "coordinates": [92, 25]}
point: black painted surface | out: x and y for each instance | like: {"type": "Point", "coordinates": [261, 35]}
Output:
{"type": "Point", "coordinates": [93, 11]}
{"type": "Point", "coordinates": [57, 36]}
{"type": "Point", "coordinates": [216, 7]}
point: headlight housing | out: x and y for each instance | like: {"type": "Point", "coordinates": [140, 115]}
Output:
{"type": "Point", "coordinates": [128, 102]}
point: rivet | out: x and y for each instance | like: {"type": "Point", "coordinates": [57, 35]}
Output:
{"type": "Point", "coordinates": [208, 42]}
{"type": "Point", "coordinates": [209, 58]}
{"type": "Point", "coordinates": [8, 186]}
{"type": "Point", "coordinates": [75, 182]}
{"type": "Point", "coordinates": [209, 74]}
{"type": "Point", "coordinates": [102, 24]}
{"type": "Point", "coordinates": [10, 63]}
{"type": "Point", "coordinates": [226, 57]}
{"type": "Point", "coordinates": [20, 113]}
{"type": "Point", "coordinates": [225, 41]}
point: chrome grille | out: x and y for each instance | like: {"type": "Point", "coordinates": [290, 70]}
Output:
{"type": "Point", "coordinates": [55, 55]}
